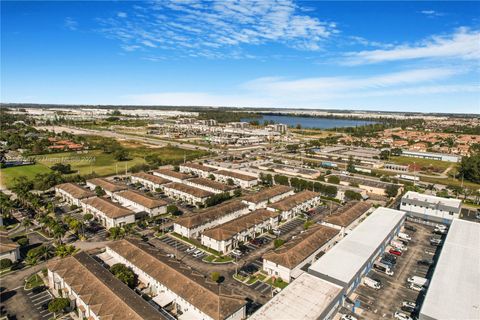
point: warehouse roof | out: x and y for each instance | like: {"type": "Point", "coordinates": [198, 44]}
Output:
{"type": "Point", "coordinates": [454, 291]}
{"type": "Point", "coordinates": [294, 200]}
{"type": "Point", "coordinates": [76, 191]}
{"type": "Point", "coordinates": [110, 209]}
{"type": "Point", "coordinates": [211, 214]}
{"type": "Point", "coordinates": [267, 194]}
{"type": "Point", "coordinates": [292, 253]}
{"type": "Point", "coordinates": [236, 175]}
{"type": "Point", "coordinates": [107, 184]}
{"type": "Point", "coordinates": [148, 202]}
{"type": "Point", "coordinates": [307, 297]}
{"type": "Point", "coordinates": [196, 192]}
{"type": "Point", "coordinates": [357, 247]}
{"type": "Point", "coordinates": [348, 214]}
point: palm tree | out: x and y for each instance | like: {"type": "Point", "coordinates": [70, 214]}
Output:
{"type": "Point", "coordinates": [44, 252]}
{"type": "Point", "coordinates": [26, 223]}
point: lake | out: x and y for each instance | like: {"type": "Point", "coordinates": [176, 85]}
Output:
{"type": "Point", "coordinates": [311, 122]}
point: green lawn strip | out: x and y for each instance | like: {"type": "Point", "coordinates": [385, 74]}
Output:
{"type": "Point", "coordinates": [196, 244]}
{"type": "Point", "coordinates": [252, 280]}
{"type": "Point", "coordinates": [279, 283]}
{"type": "Point", "coordinates": [239, 278]}
{"type": "Point", "coordinates": [33, 281]}
{"type": "Point", "coordinates": [261, 276]}
{"type": "Point", "coordinates": [8, 175]}
{"type": "Point", "coordinates": [209, 258]}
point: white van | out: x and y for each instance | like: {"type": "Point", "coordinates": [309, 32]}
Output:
{"type": "Point", "coordinates": [419, 281]}
{"type": "Point", "coordinates": [374, 284]}
{"type": "Point", "coordinates": [404, 236]}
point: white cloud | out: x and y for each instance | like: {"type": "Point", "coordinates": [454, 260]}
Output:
{"type": "Point", "coordinates": [217, 27]}
{"type": "Point", "coordinates": [70, 24]}
{"type": "Point", "coordinates": [432, 13]}
{"type": "Point", "coordinates": [122, 14]}
{"type": "Point", "coordinates": [463, 44]}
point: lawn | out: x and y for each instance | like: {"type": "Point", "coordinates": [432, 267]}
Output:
{"type": "Point", "coordinates": [7, 175]}
{"type": "Point", "coordinates": [435, 164]}
{"type": "Point", "coordinates": [33, 281]}
{"type": "Point", "coordinates": [279, 283]}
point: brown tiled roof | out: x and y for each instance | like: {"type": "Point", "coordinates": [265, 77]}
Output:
{"type": "Point", "coordinates": [292, 253]}
{"type": "Point", "coordinates": [6, 244]}
{"type": "Point", "coordinates": [348, 214]}
{"type": "Point", "coordinates": [267, 194]}
{"type": "Point", "coordinates": [76, 191]}
{"type": "Point", "coordinates": [200, 193]}
{"type": "Point", "coordinates": [151, 178]}
{"type": "Point", "coordinates": [107, 185]}
{"type": "Point", "coordinates": [228, 230]}
{"type": "Point", "coordinates": [174, 174]}
{"type": "Point", "coordinates": [211, 184]}
{"type": "Point", "coordinates": [110, 209]}
{"type": "Point", "coordinates": [198, 167]}
{"type": "Point", "coordinates": [107, 297]}
{"type": "Point", "coordinates": [142, 199]}
{"type": "Point", "coordinates": [294, 200]}
{"type": "Point", "coordinates": [208, 297]}
{"type": "Point", "coordinates": [235, 175]}
{"type": "Point", "coordinates": [211, 214]}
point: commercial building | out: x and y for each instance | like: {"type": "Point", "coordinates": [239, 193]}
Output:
{"type": "Point", "coordinates": [72, 193]}
{"type": "Point", "coordinates": [171, 282]}
{"type": "Point", "coordinates": [196, 169]}
{"type": "Point", "coordinates": [209, 185]}
{"type": "Point", "coordinates": [348, 217]}
{"type": "Point", "coordinates": [431, 208]}
{"type": "Point", "coordinates": [9, 249]}
{"type": "Point", "coordinates": [295, 204]}
{"type": "Point", "coordinates": [287, 261]}
{"type": "Point", "coordinates": [193, 225]}
{"type": "Point", "coordinates": [171, 175]}
{"type": "Point", "coordinates": [353, 256]}
{"type": "Point", "coordinates": [186, 193]}
{"type": "Point", "coordinates": [454, 291]}
{"type": "Point", "coordinates": [138, 202]}
{"type": "Point", "coordinates": [267, 196]}
{"type": "Point", "coordinates": [432, 156]}
{"type": "Point", "coordinates": [149, 181]}
{"type": "Point", "coordinates": [228, 236]}
{"type": "Point", "coordinates": [108, 186]}
{"type": "Point", "coordinates": [95, 292]}
{"type": "Point", "coordinates": [307, 298]}
{"type": "Point", "coordinates": [108, 213]}
{"type": "Point", "coordinates": [239, 179]}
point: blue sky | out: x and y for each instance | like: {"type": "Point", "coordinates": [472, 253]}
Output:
{"type": "Point", "coordinates": [398, 56]}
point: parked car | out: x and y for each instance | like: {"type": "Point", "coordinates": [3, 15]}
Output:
{"type": "Point", "coordinates": [404, 236]}
{"type": "Point", "coordinates": [236, 252]}
{"type": "Point", "coordinates": [348, 317]}
{"type": "Point", "coordinates": [408, 306]}
{"type": "Point", "coordinates": [425, 262]}
{"type": "Point", "coordinates": [395, 252]}
{"type": "Point", "coordinates": [372, 283]}
{"type": "Point", "coordinates": [390, 257]}
{"type": "Point", "coordinates": [276, 232]}
{"type": "Point", "coordinates": [256, 242]}
{"type": "Point", "coordinates": [250, 268]}
{"type": "Point", "coordinates": [39, 289]}
{"type": "Point", "coordinates": [435, 241]}
{"type": "Point", "coordinates": [416, 287]}
{"type": "Point", "coordinates": [410, 228]}
{"type": "Point", "coordinates": [402, 316]}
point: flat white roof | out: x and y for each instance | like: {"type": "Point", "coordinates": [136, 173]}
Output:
{"type": "Point", "coordinates": [307, 297]}
{"type": "Point", "coordinates": [456, 203]}
{"type": "Point", "coordinates": [454, 292]}
{"type": "Point", "coordinates": [347, 257]}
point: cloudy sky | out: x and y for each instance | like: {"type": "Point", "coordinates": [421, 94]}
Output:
{"type": "Point", "coordinates": [399, 56]}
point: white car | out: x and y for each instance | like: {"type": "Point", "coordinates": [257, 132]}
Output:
{"type": "Point", "coordinates": [348, 317]}
{"type": "Point", "coordinates": [402, 316]}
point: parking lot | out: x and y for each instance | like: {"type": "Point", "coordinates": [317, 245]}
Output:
{"type": "Point", "coordinates": [378, 304]}
{"type": "Point", "coordinates": [289, 226]}
{"type": "Point", "coordinates": [182, 247]}
{"type": "Point", "coordinates": [39, 301]}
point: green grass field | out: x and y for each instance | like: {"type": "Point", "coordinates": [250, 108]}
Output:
{"type": "Point", "coordinates": [96, 161]}
{"type": "Point", "coordinates": [442, 165]}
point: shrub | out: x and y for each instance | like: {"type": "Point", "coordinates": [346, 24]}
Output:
{"type": "Point", "coordinates": [215, 276]}
{"type": "Point", "coordinates": [278, 243]}
{"type": "Point", "coordinates": [5, 263]}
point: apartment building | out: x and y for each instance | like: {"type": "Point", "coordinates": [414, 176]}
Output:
{"type": "Point", "coordinates": [295, 204]}
{"type": "Point", "coordinates": [239, 179]}
{"type": "Point", "coordinates": [73, 193]}
{"type": "Point", "coordinates": [138, 202]}
{"type": "Point", "coordinates": [209, 185]}
{"type": "Point", "coordinates": [183, 192]}
{"type": "Point", "coordinates": [95, 292]}
{"type": "Point", "coordinates": [348, 217]}
{"type": "Point", "coordinates": [259, 200]}
{"type": "Point", "coordinates": [226, 237]}
{"type": "Point", "coordinates": [173, 283]}
{"type": "Point", "coordinates": [108, 213]}
{"type": "Point", "coordinates": [149, 181]}
{"type": "Point", "coordinates": [108, 186]}
{"type": "Point", "coordinates": [9, 249]}
{"type": "Point", "coordinates": [171, 175]}
{"type": "Point", "coordinates": [431, 208]}
{"type": "Point", "coordinates": [192, 226]}
{"type": "Point", "coordinates": [196, 169]}
{"type": "Point", "coordinates": [286, 261]}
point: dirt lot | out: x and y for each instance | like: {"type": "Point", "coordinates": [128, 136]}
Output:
{"type": "Point", "coordinates": [383, 303]}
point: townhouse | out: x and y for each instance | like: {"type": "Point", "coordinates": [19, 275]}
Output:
{"type": "Point", "coordinates": [9, 249]}
{"type": "Point", "coordinates": [196, 169]}
{"type": "Point", "coordinates": [108, 213]}
{"type": "Point", "coordinates": [138, 202]}
{"type": "Point", "coordinates": [295, 204]}
{"type": "Point", "coordinates": [73, 193]}
{"type": "Point", "coordinates": [267, 196]}
{"type": "Point", "coordinates": [228, 236]}
{"type": "Point", "coordinates": [182, 192]}
{"type": "Point", "coordinates": [94, 292]}
{"type": "Point", "coordinates": [171, 175]}
{"type": "Point", "coordinates": [287, 261]}
{"type": "Point", "coordinates": [239, 179]}
{"type": "Point", "coordinates": [108, 186]}
{"type": "Point", "coordinates": [149, 181]}
{"type": "Point", "coordinates": [174, 284]}
{"type": "Point", "coordinates": [348, 217]}
{"type": "Point", "coordinates": [209, 185]}
{"type": "Point", "coordinates": [193, 225]}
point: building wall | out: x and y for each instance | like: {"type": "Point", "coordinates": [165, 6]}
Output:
{"type": "Point", "coordinates": [264, 204]}
{"type": "Point", "coordinates": [106, 221]}
{"type": "Point", "coordinates": [429, 214]}
{"type": "Point", "coordinates": [242, 183]}
{"type": "Point", "coordinates": [307, 205]}
{"type": "Point", "coordinates": [137, 207]}
{"type": "Point", "coordinates": [146, 183]}
{"type": "Point", "coordinates": [161, 175]}
{"type": "Point", "coordinates": [206, 188]}
{"type": "Point", "coordinates": [179, 195]}
{"type": "Point", "coordinates": [188, 170]}
{"type": "Point", "coordinates": [68, 198]}
{"type": "Point", "coordinates": [13, 255]}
